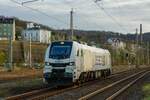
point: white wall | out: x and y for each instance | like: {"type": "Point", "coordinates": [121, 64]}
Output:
{"type": "Point", "coordinates": [37, 35]}
{"type": "Point", "coordinates": [45, 36]}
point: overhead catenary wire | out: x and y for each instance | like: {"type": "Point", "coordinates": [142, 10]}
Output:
{"type": "Point", "coordinates": [36, 18]}
{"type": "Point", "coordinates": [122, 27]}
{"type": "Point", "coordinates": [86, 18]}
{"type": "Point", "coordinates": [120, 9]}
{"type": "Point", "coordinates": [36, 10]}
{"type": "Point", "coordinates": [109, 15]}
{"type": "Point", "coordinates": [29, 1]}
{"type": "Point", "coordinates": [41, 12]}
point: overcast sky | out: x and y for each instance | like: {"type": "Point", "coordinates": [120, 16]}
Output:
{"type": "Point", "coordinates": [119, 16]}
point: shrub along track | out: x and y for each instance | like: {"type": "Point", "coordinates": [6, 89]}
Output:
{"type": "Point", "coordinates": [73, 92]}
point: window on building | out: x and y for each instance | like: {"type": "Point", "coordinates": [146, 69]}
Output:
{"type": "Point", "coordinates": [4, 25]}
{"type": "Point", "coordinates": [5, 33]}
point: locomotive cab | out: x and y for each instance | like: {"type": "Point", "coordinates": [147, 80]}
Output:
{"type": "Point", "coordinates": [59, 62]}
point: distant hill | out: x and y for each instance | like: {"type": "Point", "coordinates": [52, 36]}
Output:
{"type": "Point", "coordinates": [147, 36]}
{"type": "Point", "coordinates": [90, 35]}
{"type": "Point", "coordinates": [102, 36]}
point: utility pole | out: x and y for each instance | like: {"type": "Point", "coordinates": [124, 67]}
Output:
{"type": "Point", "coordinates": [141, 40]}
{"type": "Point", "coordinates": [30, 53]}
{"type": "Point", "coordinates": [141, 37]}
{"type": "Point", "coordinates": [71, 24]}
{"type": "Point", "coordinates": [10, 52]}
{"type": "Point", "coordinates": [137, 58]}
{"type": "Point", "coordinates": [148, 53]}
{"type": "Point", "coordinates": [137, 38]}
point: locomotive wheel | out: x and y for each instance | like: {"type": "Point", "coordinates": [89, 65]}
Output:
{"type": "Point", "coordinates": [91, 75]}
{"type": "Point", "coordinates": [96, 75]}
{"type": "Point", "coordinates": [104, 73]}
{"type": "Point", "coordinates": [88, 76]}
{"type": "Point", "coordinates": [109, 72]}
{"type": "Point", "coordinates": [79, 82]}
{"type": "Point", "coordinates": [99, 74]}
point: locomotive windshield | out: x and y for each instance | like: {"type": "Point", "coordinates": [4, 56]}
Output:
{"type": "Point", "coordinates": [60, 50]}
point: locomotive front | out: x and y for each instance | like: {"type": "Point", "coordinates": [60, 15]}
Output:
{"type": "Point", "coordinates": [59, 63]}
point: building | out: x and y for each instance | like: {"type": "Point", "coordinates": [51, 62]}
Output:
{"type": "Point", "coordinates": [37, 34]}
{"type": "Point", "coordinates": [116, 43]}
{"type": "Point", "coordinates": [7, 28]}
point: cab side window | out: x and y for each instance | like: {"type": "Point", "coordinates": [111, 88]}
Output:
{"type": "Point", "coordinates": [81, 53]}
{"type": "Point", "coordinates": [77, 52]}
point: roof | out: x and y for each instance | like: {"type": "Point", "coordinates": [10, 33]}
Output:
{"type": "Point", "coordinates": [6, 20]}
{"type": "Point", "coordinates": [93, 49]}
{"type": "Point", "coordinates": [36, 28]}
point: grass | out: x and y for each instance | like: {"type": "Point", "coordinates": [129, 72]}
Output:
{"type": "Point", "coordinates": [146, 90]}
{"type": "Point", "coordinates": [20, 73]}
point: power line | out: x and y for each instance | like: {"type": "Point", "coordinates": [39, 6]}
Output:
{"type": "Point", "coordinates": [120, 12]}
{"type": "Point", "coordinates": [86, 18]}
{"type": "Point", "coordinates": [109, 15]}
{"type": "Point", "coordinates": [20, 4]}
{"type": "Point", "coordinates": [41, 12]}
{"type": "Point", "coordinates": [54, 30]}
{"type": "Point", "coordinates": [29, 1]}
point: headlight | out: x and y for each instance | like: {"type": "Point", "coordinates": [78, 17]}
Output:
{"type": "Point", "coordinates": [47, 69]}
{"type": "Point", "coordinates": [47, 63]}
{"type": "Point", "coordinates": [72, 63]}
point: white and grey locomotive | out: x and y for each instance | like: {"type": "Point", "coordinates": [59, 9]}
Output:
{"type": "Point", "coordinates": [75, 62]}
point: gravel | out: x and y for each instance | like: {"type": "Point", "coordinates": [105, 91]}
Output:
{"type": "Point", "coordinates": [136, 91]}
{"type": "Point", "coordinates": [20, 86]}
{"type": "Point", "coordinates": [77, 93]}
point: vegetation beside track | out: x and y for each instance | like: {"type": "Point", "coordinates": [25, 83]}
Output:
{"type": "Point", "coordinates": [146, 90]}
{"type": "Point", "coordinates": [20, 73]}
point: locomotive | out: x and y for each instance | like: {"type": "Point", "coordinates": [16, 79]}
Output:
{"type": "Point", "coordinates": [75, 62]}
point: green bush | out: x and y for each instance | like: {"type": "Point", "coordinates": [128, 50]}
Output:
{"type": "Point", "coordinates": [146, 90]}
{"type": "Point", "coordinates": [2, 57]}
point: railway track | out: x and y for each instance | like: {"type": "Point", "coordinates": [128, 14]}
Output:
{"type": "Point", "coordinates": [115, 89]}
{"type": "Point", "coordinates": [52, 91]}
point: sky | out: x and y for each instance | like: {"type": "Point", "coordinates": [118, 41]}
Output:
{"type": "Point", "coordinates": [122, 16]}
